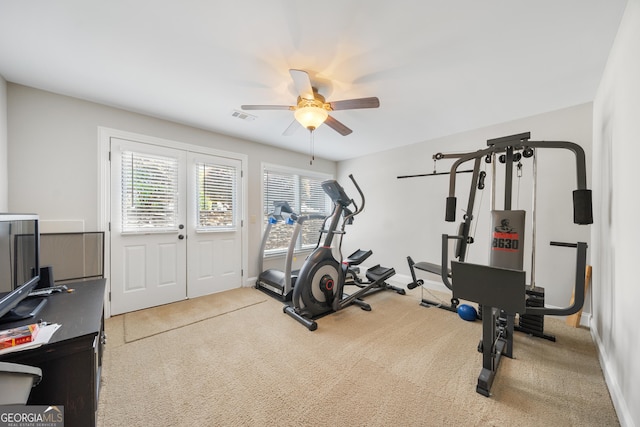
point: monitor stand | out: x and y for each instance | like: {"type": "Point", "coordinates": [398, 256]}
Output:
{"type": "Point", "coordinates": [26, 309]}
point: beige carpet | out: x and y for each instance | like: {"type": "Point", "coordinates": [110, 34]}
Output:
{"type": "Point", "coordinates": [145, 323]}
{"type": "Point", "coordinates": [398, 365]}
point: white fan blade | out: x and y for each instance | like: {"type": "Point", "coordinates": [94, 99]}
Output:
{"type": "Point", "coordinates": [302, 83]}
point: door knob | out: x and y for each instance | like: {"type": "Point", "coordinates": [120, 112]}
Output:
{"type": "Point", "coordinates": [180, 236]}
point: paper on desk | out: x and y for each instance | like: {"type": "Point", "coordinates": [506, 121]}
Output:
{"type": "Point", "coordinates": [44, 335]}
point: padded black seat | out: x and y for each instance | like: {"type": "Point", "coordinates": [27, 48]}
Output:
{"type": "Point", "coordinates": [430, 268]}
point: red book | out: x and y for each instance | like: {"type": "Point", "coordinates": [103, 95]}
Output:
{"type": "Point", "coordinates": [19, 335]}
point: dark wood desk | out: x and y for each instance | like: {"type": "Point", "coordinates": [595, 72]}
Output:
{"type": "Point", "coordinates": [72, 360]}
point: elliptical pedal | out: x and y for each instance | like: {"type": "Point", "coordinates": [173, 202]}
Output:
{"type": "Point", "coordinates": [379, 273]}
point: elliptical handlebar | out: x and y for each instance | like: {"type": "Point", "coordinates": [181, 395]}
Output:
{"type": "Point", "coordinates": [358, 209]}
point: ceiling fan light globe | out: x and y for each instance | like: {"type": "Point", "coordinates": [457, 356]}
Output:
{"type": "Point", "coordinates": [311, 116]}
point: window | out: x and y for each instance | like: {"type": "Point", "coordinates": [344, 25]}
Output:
{"type": "Point", "coordinates": [216, 186]}
{"type": "Point", "coordinates": [149, 192]}
{"type": "Point", "coordinates": [304, 193]}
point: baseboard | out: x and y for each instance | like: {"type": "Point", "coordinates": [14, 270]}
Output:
{"type": "Point", "coordinates": [250, 282]}
{"type": "Point", "coordinates": [585, 320]}
{"type": "Point", "coordinates": [617, 397]}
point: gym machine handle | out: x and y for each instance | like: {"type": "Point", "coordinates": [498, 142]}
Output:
{"type": "Point", "coordinates": [581, 265]}
{"type": "Point", "coordinates": [564, 244]}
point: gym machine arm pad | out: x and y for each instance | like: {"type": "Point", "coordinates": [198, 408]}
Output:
{"type": "Point", "coordinates": [450, 214]}
{"type": "Point", "coordinates": [582, 210]}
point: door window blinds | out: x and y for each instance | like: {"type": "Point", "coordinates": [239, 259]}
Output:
{"type": "Point", "coordinates": [216, 187]}
{"type": "Point", "coordinates": [149, 192]}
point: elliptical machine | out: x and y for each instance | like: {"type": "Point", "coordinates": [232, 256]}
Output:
{"type": "Point", "coordinates": [322, 277]}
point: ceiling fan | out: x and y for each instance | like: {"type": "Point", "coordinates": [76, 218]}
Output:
{"type": "Point", "coordinates": [311, 109]}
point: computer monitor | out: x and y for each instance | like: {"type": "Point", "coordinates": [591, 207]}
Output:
{"type": "Point", "coordinates": [19, 266]}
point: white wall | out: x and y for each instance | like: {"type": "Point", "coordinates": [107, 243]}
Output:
{"type": "Point", "coordinates": [53, 157]}
{"type": "Point", "coordinates": [406, 216]}
{"type": "Point", "coordinates": [615, 235]}
{"type": "Point", "coordinates": [4, 165]}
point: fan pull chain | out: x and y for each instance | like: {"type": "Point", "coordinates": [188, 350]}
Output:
{"type": "Point", "coordinates": [311, 153]}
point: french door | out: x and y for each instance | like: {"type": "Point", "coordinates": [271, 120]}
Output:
{"type": "Point", "coordinates": [175, 225]}
{"type": "Point", "coordinates": [214, 248]}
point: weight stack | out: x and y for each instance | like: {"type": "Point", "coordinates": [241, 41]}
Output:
{"type": "Point", "coordinates": [533, 324]}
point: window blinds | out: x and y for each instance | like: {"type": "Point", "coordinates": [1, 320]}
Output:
{"type": "Point", "coordinates": [149, 192]}
{"type": "Point", "coordinates": [305, 196]}
{"type": "Point", "coordinates": [216, 185]}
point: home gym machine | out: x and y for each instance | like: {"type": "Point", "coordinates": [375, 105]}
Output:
{"type": "Point", "coordinates": [275, 282]}
{"type": "Point", "coordinates": [320, 285]}
{"type": "Point", "coordinates": [500, 288]}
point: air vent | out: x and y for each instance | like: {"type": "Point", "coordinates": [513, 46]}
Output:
{"type": "Point", "coordinates": [243, 116]}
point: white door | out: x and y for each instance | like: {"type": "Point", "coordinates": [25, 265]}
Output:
{"type": "Point", "coordinates": [175, 225]}
{"type": "Point", "coordinates": [214, 224]}
{"type": "Point", "coordinates": [148, 216]}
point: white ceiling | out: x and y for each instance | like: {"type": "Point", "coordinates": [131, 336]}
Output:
{"type": "Point", "coordinates": [439, 67]}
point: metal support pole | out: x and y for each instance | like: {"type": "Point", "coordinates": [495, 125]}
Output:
{"type": "Point", "coordinates": [508, 179]}
{"type": "Point", "coordinates": [533, 216]}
